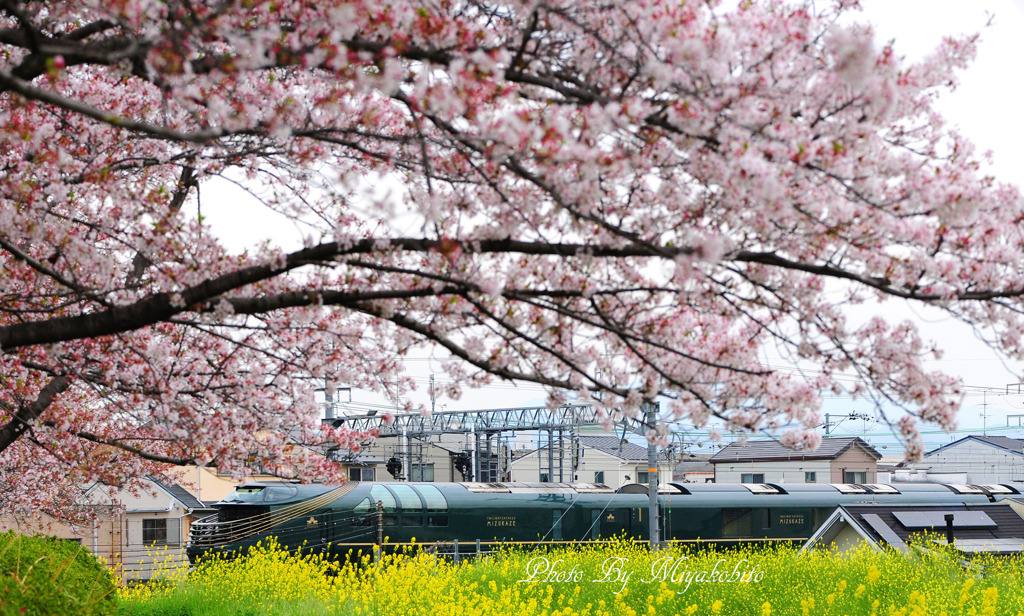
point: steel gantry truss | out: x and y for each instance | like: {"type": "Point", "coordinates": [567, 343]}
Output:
{"type": "Point", "coordinates": [557, 427]}
{"type": "Point", "coordinates": [482, 420]}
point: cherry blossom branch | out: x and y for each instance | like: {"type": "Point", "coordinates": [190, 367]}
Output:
{"type": "Point", "coordinates": [119, 444]}
{"type": "Point", "coordinates": [27, 415]}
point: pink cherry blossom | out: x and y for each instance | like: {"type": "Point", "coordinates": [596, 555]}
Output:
{"type": "Point", "coordinates": [626, 200]}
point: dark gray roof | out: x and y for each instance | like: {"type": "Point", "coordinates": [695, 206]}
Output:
{"type": "Point", "coordinates": [771, 450]}
{"type": "Point", "coordinates": [181, 494]}
{"type": "Point", "coordinates": [613, 446]}
{"type": "Point", "coordinates": [1013, 445]}
{"type": "Point", "coordinates": [1008, 523]}
{"type": "Point", "coordinates": [693, 466]}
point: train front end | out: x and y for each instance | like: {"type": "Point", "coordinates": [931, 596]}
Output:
{"type": "Point", "coordinates": [254, 512]}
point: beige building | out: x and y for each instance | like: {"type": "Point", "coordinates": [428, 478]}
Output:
{"type": "Point", "coordinates": [836, 460]}
{"type": "Point", "coordinates": [137, 534]}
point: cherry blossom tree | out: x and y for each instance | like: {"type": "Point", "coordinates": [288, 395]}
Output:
{"type": "Point", "coordinates": [618, 201]}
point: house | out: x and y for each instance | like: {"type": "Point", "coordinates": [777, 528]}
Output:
{"type": "Point", "coordinates": [601, 459]}
{"type": "Point", "coordinates": [136, 533]}
{"type": "Point", "coordinates": [974, 459]}
{"type": "Point", "coordinates": [836, 460]}
{"type": "Point", "coordinates": [993, 528]}
{"type": "Point", "coordinates": [694, 470]}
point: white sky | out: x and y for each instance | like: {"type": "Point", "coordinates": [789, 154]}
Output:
{"type": "Point", "coordinates": [986, 107]}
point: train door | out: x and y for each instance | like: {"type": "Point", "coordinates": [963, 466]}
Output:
{"type": "Point", "coordinates": [615, 522]}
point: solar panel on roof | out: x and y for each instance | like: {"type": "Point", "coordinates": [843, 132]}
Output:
{"type": "Point", "coordinates": [887, 534]}
{"type": "Point", "coordinates": [919, 520]}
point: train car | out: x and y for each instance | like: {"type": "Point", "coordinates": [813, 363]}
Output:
{"type": "Point", "coordinates": [359, 516]}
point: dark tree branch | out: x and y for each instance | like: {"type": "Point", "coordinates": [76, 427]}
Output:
{"type": "Point", "coordinates": [26, 415]}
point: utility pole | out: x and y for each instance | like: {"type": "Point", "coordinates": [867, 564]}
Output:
{"type": "Point", "coordinates": [650, 419]}
{"type": "Point", "coordinates": [984, 413]}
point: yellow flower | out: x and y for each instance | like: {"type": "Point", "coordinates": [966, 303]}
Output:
{"type": "Point", "coordinates": [766, 609]}
{"type": "Point", "coordinates": [716, 607]}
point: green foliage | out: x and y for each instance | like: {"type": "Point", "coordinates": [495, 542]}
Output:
{"type": "Point", "coordinates": [46, 576]}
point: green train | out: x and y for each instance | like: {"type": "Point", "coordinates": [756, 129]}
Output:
{"type": "Point", "coordinates": [359, 516]}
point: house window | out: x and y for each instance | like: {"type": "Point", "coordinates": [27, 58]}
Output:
{"type": "Point", "coordinates": [360, 474]}
{"type": "Point", "coordinates": [421, 472]}
{"type": "Point", "coordinates": [643, 477]}
{"type": "Point", "coordinates": [811, 477]}
{"type": "Point", "coordinates": [855, 477]}
{"type": "Point", "coordinates": [752, 478]}
{"type": "Point", "coordinates": [545, 478]}
{"type": "Point", "coordinates": [598, 476]}
{"type": "Point", "coordinates": [154, 531]}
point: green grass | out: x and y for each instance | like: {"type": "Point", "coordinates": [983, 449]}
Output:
{"type": "Point", "coordinates": [45, 575]}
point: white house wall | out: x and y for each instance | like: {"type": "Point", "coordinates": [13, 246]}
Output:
{"type": "Point", "coordinates": [616, 470]}
{"type": "Point", "coordinates": [784, 471]}
{"type": "Point", "coordinates": [136, 559]}
{"type": "Point", "coordinates": [982, 463]}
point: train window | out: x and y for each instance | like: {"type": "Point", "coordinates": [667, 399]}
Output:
{"type": "Point", "coordinates": [595, 526]}
{"type": "Point", "coordinates": [556, 524]}
{"type": "Point", "coordinates": [262, 494]}
{"type": "Point", "coordinates": [380, 493]}
{"type": "Point", "coordinates": [244, 495]}
{"type": "Point", "coordinates": [408, 499]}
{"type": "Point", "coordinates": [390, 520]}
{"type": "Point", "coordinates": [737, 522]}
{"type": "Point", "coordinates": [432, 497]}
{"type": "Point", "coordinates": [437, 520]}
{"type": "Point", "coordinates": [365, 517]}
{"type": "Point", "coordinates": [412, 520]}
{"type": "Point", "coordinates": [279, 493]}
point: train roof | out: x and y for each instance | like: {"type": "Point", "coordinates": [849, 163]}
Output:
{"type": "Point", "coordinates": [282, 492]}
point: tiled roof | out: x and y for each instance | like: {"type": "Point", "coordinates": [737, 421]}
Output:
{"type": "Point", "coordinates": [694, 466]}
{"type": "Point", "coordinates": [613, 446]}
{"type": "Point", "coordinates": [1014, 445]}
{"type": "Point", "coordinates": [771, 450]}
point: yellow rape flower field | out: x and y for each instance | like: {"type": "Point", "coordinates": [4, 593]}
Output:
{"type": "Point", "coordinates": [609, 580]}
